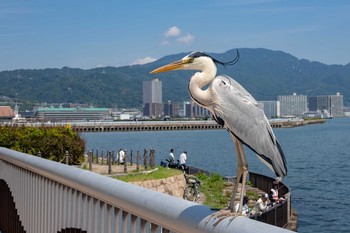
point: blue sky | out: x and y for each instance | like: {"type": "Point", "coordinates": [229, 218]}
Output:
{"type": "Point", "coordinates": [36, 34]}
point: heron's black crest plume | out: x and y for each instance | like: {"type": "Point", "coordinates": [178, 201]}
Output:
{"type": "Point", "coordinates": [224, 64]}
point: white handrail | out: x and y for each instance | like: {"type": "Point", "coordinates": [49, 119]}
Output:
{"type": "Point", "coordinates": [86, 196]}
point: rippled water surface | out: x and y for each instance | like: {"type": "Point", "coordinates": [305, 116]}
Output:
{"type": "Point", "coordinates": [318, 160]}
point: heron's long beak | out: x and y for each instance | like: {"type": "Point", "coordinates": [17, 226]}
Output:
{"type": "Point", "coordinates": [171, 66]}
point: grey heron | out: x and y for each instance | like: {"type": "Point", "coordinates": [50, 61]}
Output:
{"type": "Point", "coordinates": [233, 107]}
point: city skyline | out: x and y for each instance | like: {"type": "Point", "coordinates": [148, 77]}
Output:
{"type": "Point", "coordinates": [323, 106]}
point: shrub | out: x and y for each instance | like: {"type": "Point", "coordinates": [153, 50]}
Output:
{"type": "Point", "coordinates": [51, 142]}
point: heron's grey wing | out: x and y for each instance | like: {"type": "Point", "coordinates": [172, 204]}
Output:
{"type": "Point", "coordinates": [239, 113]}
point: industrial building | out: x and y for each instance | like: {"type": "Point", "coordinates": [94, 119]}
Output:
{"type": "Point", "coordinates": [292, 105]}
{"type": "Point", "coordinates": [332, 104]}
{"type": "Point", "coordinates": [271, 108]}
{"type": "Point", "coordinates": [72, 114]}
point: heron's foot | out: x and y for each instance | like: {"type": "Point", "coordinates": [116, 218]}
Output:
{"type": "Point", "coordinates": [223, 214]}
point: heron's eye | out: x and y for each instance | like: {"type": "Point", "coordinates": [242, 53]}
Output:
{"type": "Point", "coordinates": [187, 60]}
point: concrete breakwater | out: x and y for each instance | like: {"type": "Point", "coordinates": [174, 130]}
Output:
{"type": "Point", "coordinates": [173, 125]}
{"type": "Point", "coordinates": [174, 186]}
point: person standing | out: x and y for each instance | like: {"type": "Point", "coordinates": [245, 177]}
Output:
{"type": "Point", "coordinates": [182, 160]}
{"type": "Point", "coordinates": [121, 156]}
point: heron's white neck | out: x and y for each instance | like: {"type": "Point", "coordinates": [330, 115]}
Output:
{"type": "Point", "coordinates": [201, 79]}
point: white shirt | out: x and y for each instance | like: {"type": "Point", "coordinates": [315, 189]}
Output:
{"type": "Point", "coordinates": [245, 209]}
{"type": "Point", "coordinates": [121, 156]}
{"type": "Point", "coordinates": [171, 157]}
{"type": "Point", "coordinates": [260, 205]}
{"type": "Point", "coordinates": [183, 158]}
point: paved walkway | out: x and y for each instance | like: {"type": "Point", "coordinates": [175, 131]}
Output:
{"type": "Point", "coordinates": [116, 168]}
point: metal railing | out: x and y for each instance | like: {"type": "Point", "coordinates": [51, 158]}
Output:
{"type": "Point", "coordinates": [53, 197]}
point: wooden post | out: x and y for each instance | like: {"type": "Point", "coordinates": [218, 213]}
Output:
{"type": "Point", "coordinates": [152, 162]}
{"type": "Point", "coordinates": [126, 163]}
{"type": "Point", "coordinates": [138, 160]}
{"type": "Point", "coordinates": [90, 157]}
{"type": "Point", "coordinates": [154, 158]}
{"type": "Point", "coordinates": [96, 156]}
{"type": "Point", "coordinates": [145, 159]}
{"type": "Point", "coordinates": [109, 159]}
{"type": "Point", "coordinates": [150, 158]}
{"type": "Point", "coordinates": [102, 157]}
{"type": "Point", "coordinates": [130, 157]}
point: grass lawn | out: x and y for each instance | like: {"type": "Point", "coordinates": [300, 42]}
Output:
{"type": "Point", "coordinates": [212, 187]}
{"type": "Point", "coordinates": [161, 173]}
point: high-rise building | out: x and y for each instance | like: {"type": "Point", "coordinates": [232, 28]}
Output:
{"type": "Point", "coordinates": [332, 104]}
{"type": "Point", "coordinates": [171, 109]}
{"type": "Point", "coordinates": [192, 109]}
{"type": "Point", "coordinates": [187, 109]}
{"type": "Point", "coordinates": [292, 105]}
{"type": "Point", "coordinates": [152, 98]}
{"type": "Point", "coordinates": [271, 108]}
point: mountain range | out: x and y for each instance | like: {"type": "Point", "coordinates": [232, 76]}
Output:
{"type": "Point", "coordinates": [264, 73]}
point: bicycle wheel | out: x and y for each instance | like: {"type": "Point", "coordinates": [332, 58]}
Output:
{"type": "Point", "coordinates": [190, 194]}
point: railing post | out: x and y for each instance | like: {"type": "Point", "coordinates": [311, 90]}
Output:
{"type": "Point", "coordinates": [90, 158]}
{"type": "Point", "coordinates": [138, 160]}
{"type": "Point", "coordinates": [145, 159]}
{"type": "Point", "coordinates": [126, 162]}
{"type": "Point", "coordinates": [152, 162]}
{"type": "Point", "coordinates": [97, 156]}
{"type": "Point", "coordinates": [131, 158]}
{"type": "Point", "coordinates": [109, 159]}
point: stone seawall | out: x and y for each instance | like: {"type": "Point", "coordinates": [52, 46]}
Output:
{"type": "Point", "coordinates": [174, 186]}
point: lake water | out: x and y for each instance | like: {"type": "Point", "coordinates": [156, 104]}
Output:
{"type": "Point", "coordinates": [318, 161]}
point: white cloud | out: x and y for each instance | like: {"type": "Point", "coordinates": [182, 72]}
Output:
{"type": "Point", "coordinates": [186, 39]}
{"type": "Point", "coordinates": [141, 61]}
{"type": "Point", "coordinates": [173, 31]}
{"type": "Point", "coordinates": [173, 34]}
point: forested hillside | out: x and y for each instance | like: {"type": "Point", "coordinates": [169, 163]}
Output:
{"type": "Point", "coordinates": [263, 72]}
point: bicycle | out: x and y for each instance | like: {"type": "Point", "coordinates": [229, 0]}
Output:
{"type": "Point", "coordinates": [192, 188]}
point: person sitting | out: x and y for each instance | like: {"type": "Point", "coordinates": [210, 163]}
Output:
{"type": "Point", "coordinates": [261, 205]}
{"type": "Point", "coordinates": [171, 156]}
{"type": "Point", "coordinates": [274, 196]}
{"type": "Point", "coordinates": [245, 208]}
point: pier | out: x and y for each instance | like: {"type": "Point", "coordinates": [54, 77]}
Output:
{"type": "Point", "coordinates": [124, 126]}
{"type": "Point", "coordinates": [174, 125]}
{"type": "Point", "coordinates": [144, 126]}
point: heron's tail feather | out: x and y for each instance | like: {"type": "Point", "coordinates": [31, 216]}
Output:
{"type": "Point", "coordinates": [283, 168]}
